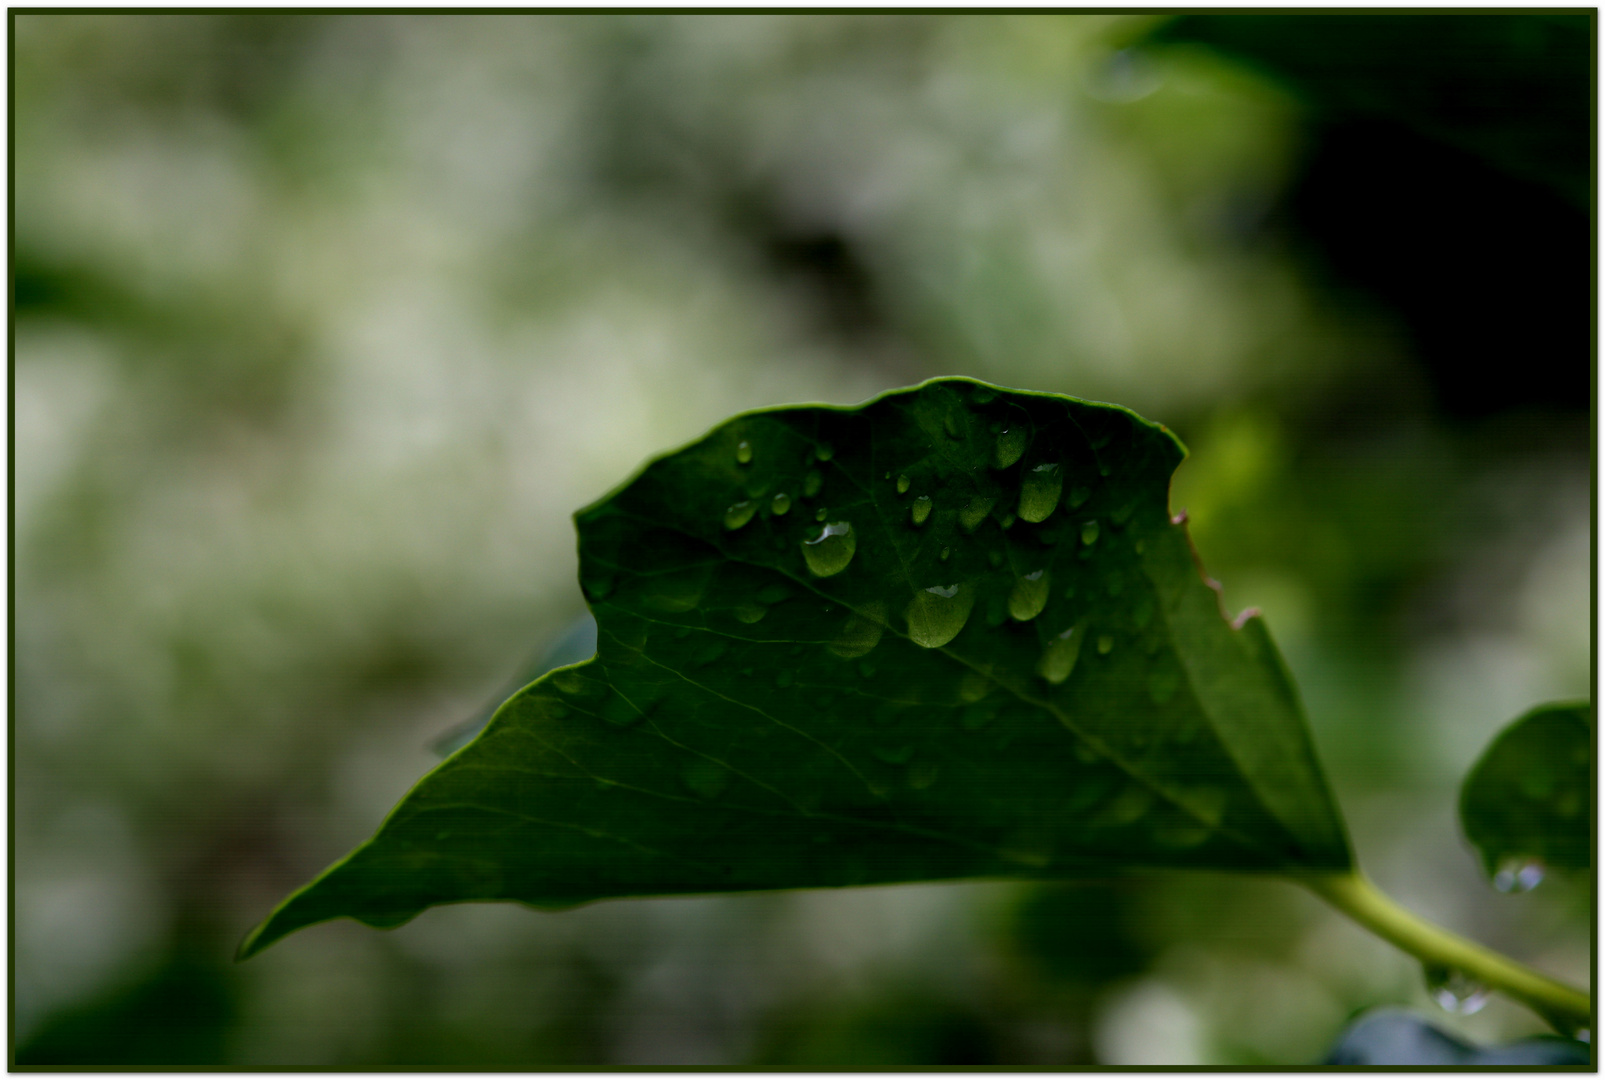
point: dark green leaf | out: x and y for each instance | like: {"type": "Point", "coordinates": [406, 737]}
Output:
{"type": "Point", "coordinates": [950, 633]}
{"type": "Point", "coordinates": [1525, 804]}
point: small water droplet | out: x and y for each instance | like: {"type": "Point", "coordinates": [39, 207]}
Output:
{"type": "Point", "coordinates": [922, 774]}
{"type": "Point", "coordinates": [829, 553]}
{"type": "Point", "coordinates": [1008, 521]}
{"type": "Point", "coordinates": [706, 779]}
{"type": "Point", "coordinates": [1078, 496]}
{"type": "Point", "coordinates": [1105, 644]}
{"type": "Point", "coordinates": [920, 510]}
{"type": "Point", "coordinates": [1518, 874]}
{"type": "Point", "coordinates": [1030, 595]}
{"type": "Point", "coordinates": [677, 591]}
{"type": "Point", "coordinates": [1010, 445]}
{"type": "Point", "coordinates": [954, 426]}
{"type": "Point", "coordinates": [744, 452]}
{"type": "Point", "coordinates": [1089, 533]}
{"type": "Point", "coordinates": [783, 678]}
{"type": "Point", "coordinates": [824, 451]}
{"type": "Point", "coordinates": [982, 394]}
{"type": "Point", "coordinates": [780, 504]}
{"type": "Point", "coordinates": [1059, 658]}
{"type": "Point", "coordinates": [902, 483]}
{"type": "Point", "coordinates": [1454, 990]}
{"type": "Point", "coordinates": [937, 614]}
{"type": "Point", "coordinates": [975, 512]}
{"type": "Point", "coordinates": [945, 553]}
{"type": "Point", "coordinates": [812, 483]}
{"type": "Point", "coordinates": [739, 514]}
{"type": "Point", "coordinates": [750, 612]}
{"type": "Point", "coordinates": [887, 475]}
{"type": "Point", "coordinates": [1039, 492]}
{"type": "Point", "coordinates": [821, 514]}
{"type": "Point", "coordinates": [894, 755]}
{"type": "Point", "coordinates": [862, 632]}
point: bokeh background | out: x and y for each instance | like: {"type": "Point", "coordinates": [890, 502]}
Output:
{"type": "Point", "coordinates": [325, 323]}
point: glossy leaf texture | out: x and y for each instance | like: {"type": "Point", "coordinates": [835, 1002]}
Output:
{"type": "Point", "coordinates": [1525, 805]}
{"type": "Point", "coordinates": [950, 633]}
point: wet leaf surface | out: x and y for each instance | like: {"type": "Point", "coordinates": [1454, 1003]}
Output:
{"type": "Point", "coordinates": [1526, 803]}
{"type": "Point", "coordinates": [950, 633]}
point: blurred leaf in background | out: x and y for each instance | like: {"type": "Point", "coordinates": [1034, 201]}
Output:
{"type": "Point", "coordinates": [325, 324]}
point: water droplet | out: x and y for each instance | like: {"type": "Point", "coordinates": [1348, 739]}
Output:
{"type": "Point", "coordinates": [1518, 874]}
{"type": "Point", "coordinates": [975, 512]}
{"type": "Point", "coordinates": [824, 451]}
{"type": "Point", "coordinates": [1039, 492]}
{"type": "Point", "coordinates": [707, 779]}
{"type": "Point", "coordinates": [1059, 658]}
{"type": "Point", "coordinates": [954, 425]}
{"type": "Point", "coordinates": [974, 686]}
{"type": "Point", "coordinates": [780, 504]}
{"type": "Point", "coordinates": [812, 483]}
{"type": "Point", "coordinates": [920, 510]}
{"type": "Point", "coordinates": [783, 678]}
{"type": "Point", "coordinates": [821, 514]}
{"type": "Point", "coordinates": [1008, 521]}
{"type": "Point", "coordinates": [1030, 595]}
{"type": "Point", "coordinates": [1089, 533]}
{"type": "Point", "coordinates": [750, 612]}
{"type": "Point", "coordinates": [922, 774]}
{"type": "Point", "coordinates": [739, 514]}
{"type": "Point", "coordinates": [1105, 645]}
{"type": "Point", "coordinates": [744, 452]}
{"type": "Point", "coordinates": [1454, 990]}
{"type": "Point", "coordinates": [862, 632]}
{"type": "Point", "coordinates": [830, 552]}
{"type": "Point", "coordinates": [677, 591]}
{"type": "Point", "coordinates": [1010, 445]}
{"type": "Point", "coordinates": [902, 483]}
{"type": "Point", "coordinates": [982, 394]}
{"type": "Point", "coordinates": [1583, 1035]}
{"type": "Point", "coordinates": [945, 553]}
{"type": "Point", "coordinates": [1131, 803]}
{"type": "Point", "coordinates": [1103, 470]}
{"type": "Point", "coordinates": [1162, 685]}
{"type": "Point", "coordinates": [773, 593]}
{"type": "Point", "coordinates": [936, 615]}
{"type": "Point", "coordinates": [887, 475]}
{"type": "Point", "coordinates": [1078, 496]}
{"type": "Point", "coordinates": [894, 755]}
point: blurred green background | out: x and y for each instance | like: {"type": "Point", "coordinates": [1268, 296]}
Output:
{"type": "Point", "coordinates": [325, 323]}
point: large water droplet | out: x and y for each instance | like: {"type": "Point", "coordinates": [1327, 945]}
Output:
{"type": "Point", "coordinates": [830, 552]}
{"type": "Point", "coordinates": [862, 632]}
{"type": "Point", "coordinates": [744, 452]}
{"type": "Point", "coordinates": [1059, 658]}
{"type": "Point", "coordinates": [1010, 445]}
{"type": "Point", "coordinates": [812, 483]}
{"type": "Point", "coordinates": [707, 779]}
{"type": "Point", "coordinates": [1454, 990]}
{"type": "Point", "coordinates": [739, 514]}
{"type": "Point", "coordinates": [922, 774]}
{"type": "Point", "coordinates": [902, 483]}
{"type": "Point", "coordinates": [1039, 492]}
{"type": "Point", "coordinates": [920, 510]}
{"type": "Point", "coordinates": [1518, 874]}
{"type": "Point", "coordinates": [1030, 595]}
{"type": "Point", "coordinates": [1089, 533]}
{"type": "Point", "coordinates": [936, 615]}
{"type": "Point", "coordinates": [975, 512]}
{"type": "Point", "coordinates": [780, 504]}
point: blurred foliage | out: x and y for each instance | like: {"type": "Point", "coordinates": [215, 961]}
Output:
{"type": "Point", "coordinates": [312, 314]}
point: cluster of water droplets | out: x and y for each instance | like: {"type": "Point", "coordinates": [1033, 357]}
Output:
{"type": "Point", "coordinates": [1518, 874]}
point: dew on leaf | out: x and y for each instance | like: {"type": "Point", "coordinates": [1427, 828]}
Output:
{"type": "Point", "coordinates": [780, 504]}
{"type": "Point", "coordinates": [706, 779]}
{"type": "Point", "coordinates": [1518, 874]}
{"type": "Point", "coordinates": [975, 512]}
{"type": "Point", "coordinates": [678, 591]}
{"type": "Point", "coordinates": [773, 593]}
{"type": "Point", "coordinates": [974, 686]}
{"type": "Point", "coordinates": [1105, 644]}
{"type": "Point", "coordinates": [1138, 546]}
{"type": "Point", "coordinates": [945, 553]}
{"type": "Point", "coordinates": [829, 553]}
{"type": "Point", "coordinates": [744, 452]}
{"type": "Point", "coordinates": [1008, 521]}
{"type": "Point", "coordinates": [1089, 533]}
{"type": "Point", "coordinates": [1059, 658]}
{"type": "Point", "coordinates": [1454, 990]}
{"type": "Point", "coordinates": [862, 632]}
{"type": "Point", "coordinates": [937, 614]}
{"type": "Point", "coordinates": [1039, 492]}
{"type": "Point", "coordinates": [576, 685]}
{"type": "Point", "coordinates": [1132, 802]}
{"type": "Point", "coordinates": [739, 514]}
{"type": "Point", "coordinates": [922, 774]}
{"type": "Point", "coordinates": [902, 484]}
{"type": "Point", "coordinates": [920, 510]}
{"type": "Point", "coordinates": [1079, 495]}
{"type": "Point", "coordinates": [824, 451]}
{"type": "Point", "coordinates": [750, 612]}
{"type": "Point", "coordinates": [1010, 445]}
{"type": "Point", "coordinates": [812, 483]}
{"type": "Point", "coordinates": [1030, 595]}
